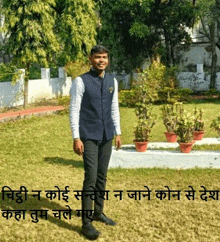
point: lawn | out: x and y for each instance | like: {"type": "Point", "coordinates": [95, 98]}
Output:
{"type": "Point", "coordinates": [37, 153]}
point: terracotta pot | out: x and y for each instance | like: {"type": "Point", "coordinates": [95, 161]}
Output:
{"type": "Point", "coordinates": [186, 147]}
{"type": "Point", "coordinates": [141, 146]}
{"type": "Point", "coordinates": [198, 135]}
{"type": "Point", "coordinates": [171, 137]}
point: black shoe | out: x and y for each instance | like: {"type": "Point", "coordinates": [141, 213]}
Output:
{"type": "Point", "coordinates": [102, 218]}
{"type": "Point", "coordinates": [90, 232]}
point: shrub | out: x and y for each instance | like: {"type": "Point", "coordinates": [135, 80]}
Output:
{"type": "Point", "coordinates": [185, 126]}
{"type": "Point", "coordinates": [149, 82]}
{"type": "Point", "coordinates": [160, 84]}
{"type": "Point", "coordinates": [199, 122]}
{"type": "Point", "coordinates": [146, 121]}
{"type": "Point", "coordinates": [143, 129]}
{"type": "Point", "coordinates": [216, 124]}
{"type": "Point", "coordinates": [127, 98]}
{"type": "Point", "coordinates": [172, 95]}
{"type": "Point", "coordinates": [170, 116]}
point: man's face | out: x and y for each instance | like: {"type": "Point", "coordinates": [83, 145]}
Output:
{"type": "Point", "coordinates": [99, 61]}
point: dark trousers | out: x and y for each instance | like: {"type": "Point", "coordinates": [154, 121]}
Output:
{"type": "Point", "coordinates": [96, 158]}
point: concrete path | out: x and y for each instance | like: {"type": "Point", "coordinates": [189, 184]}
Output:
{"type": "Point", "coordinates": [128, 157]}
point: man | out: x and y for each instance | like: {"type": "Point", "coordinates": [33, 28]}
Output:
{"type": "Point", "coordinates": [94, 120]}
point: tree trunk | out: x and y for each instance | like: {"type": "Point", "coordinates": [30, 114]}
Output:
{"type": "Point", "coordinates": [214, 55]}
{"type": "Point", "coordinates": [26, 79]}
{"type": "Point", "coordinates": [131, 80]}
{"type": "Point", "coordinates": [167, 45]}
{"type": "Point", "coordinates": [173, 62]}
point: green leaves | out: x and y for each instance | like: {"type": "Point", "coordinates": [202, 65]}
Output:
{"type": "Point", "coordinates": [77, 29]}
{"type": "Point", "coordinates": [134, 29]}
{"type": "Point", "coordinates": [39, 30]}
{"type": "Point", "coordinates": [216, 124]}
{"type": "Point", "coordinates": [170, 116]}
{"type": "Point", "coordinates": [30, 32]}
{"type": "Point", "coordinates": [8, 72]}
{"type": "Point", "coordinates": [182, 123]}
{"type": "Point", "coordinates": [76, 68]}
{"type": "Point", "coordinates": [139, 30]}
{"type": "Point", "coordinates": [146, 121]}
{"type": "Point", "coordinates": [143, 110]}
{"type": "Point", "coordinates": [198, 121]}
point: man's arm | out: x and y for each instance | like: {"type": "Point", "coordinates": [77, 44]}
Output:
{"type": "Point", "coordinates": [116, 116]}
{"type": "Point", "coordinates": [77, 91]}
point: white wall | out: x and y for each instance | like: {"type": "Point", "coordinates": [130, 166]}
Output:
{"type": "Point", "coordinates": [46, 87]}
{"type": "Point", "coordinates": [197, 81]}
{"type": "Point", "coordinates": [198, 53]}
{"type": "Point", "coordinates": [12, 95]}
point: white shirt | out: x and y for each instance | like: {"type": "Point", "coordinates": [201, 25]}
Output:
{"type": "Point", "coordinates": [77, 90]}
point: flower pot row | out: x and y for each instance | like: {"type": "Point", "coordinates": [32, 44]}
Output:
{"type": "Point", "coordinates": [188, 127]}
{"type": "Point", "coordinates": [172, 137]}
{"type": "Point", "coordinates": [184, 147]}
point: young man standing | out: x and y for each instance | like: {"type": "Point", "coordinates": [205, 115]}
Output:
{"type": "Point", "coordinates": [94, 121]}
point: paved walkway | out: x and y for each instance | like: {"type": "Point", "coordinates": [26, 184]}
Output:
{"type": "Point", "coordinates": [27, 112]}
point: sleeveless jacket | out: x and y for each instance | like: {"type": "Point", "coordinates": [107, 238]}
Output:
{"type": "Point", "coordinates": [95, 113]}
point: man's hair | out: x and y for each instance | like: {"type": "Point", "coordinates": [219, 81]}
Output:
{"type": "Point", "coordinates": [99, 49]}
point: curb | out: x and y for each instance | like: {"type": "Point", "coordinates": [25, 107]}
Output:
{"type": "Point", "coordinates": [130, 158]}
{"type": "Point", "coordinates": [27, 113]}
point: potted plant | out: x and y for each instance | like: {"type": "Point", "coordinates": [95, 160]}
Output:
{"type": "Point", "coordinates": [142, 134]}
{"type": "Point", "coordinates": [216, 125]}
{"type": "Point", "coordinates": [146, 121]}
{"type": "Point", "coordinates": [145, 95]}
{"type": "Point", "coordinates": [185, 129]}
{"type": "Point", "coordinates": [170, 118]}
{"type": "Point", "coordinates": [199, 125]}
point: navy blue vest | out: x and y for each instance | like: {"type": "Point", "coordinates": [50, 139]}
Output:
{"type": "Point", "coordinates": [95, 114]}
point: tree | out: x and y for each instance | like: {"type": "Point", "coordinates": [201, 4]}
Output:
{"type": "Point", "coordinates": [170, 21]}
{"type": "Point", "coordinates": [117, 18]}
{"type": "Point", "coordinates": [210, 22]}
{"type": "Point", "coordinates": [45, 30]}
{"type": "Point", "coordinates": [75, 28]}
{"type": "Point", "coordinates": [135, 29]}
{"type": "Point", "coordinates": [30, 37]}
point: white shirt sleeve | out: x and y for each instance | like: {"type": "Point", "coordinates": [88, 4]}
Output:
{"type": "Point", "coordinates": [115, 110]}
{"type": "Point", "coordinates": [77, 91]}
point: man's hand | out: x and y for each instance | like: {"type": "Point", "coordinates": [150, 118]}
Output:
{"type": "Point", "coordinates": [78, 146]}
{"type": "Point", "coordinates": [118, 142]}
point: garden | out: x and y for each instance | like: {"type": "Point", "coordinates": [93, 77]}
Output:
{"type": "Point", "coordinates": [155, 96]}
{"type": "Point", "coordinates": [41, 175]}
{"type": "Point", "coordinates": [37, 154]}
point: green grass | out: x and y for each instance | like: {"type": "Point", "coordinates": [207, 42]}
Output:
{"type": "Point", "coordinates": [37, 153]}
